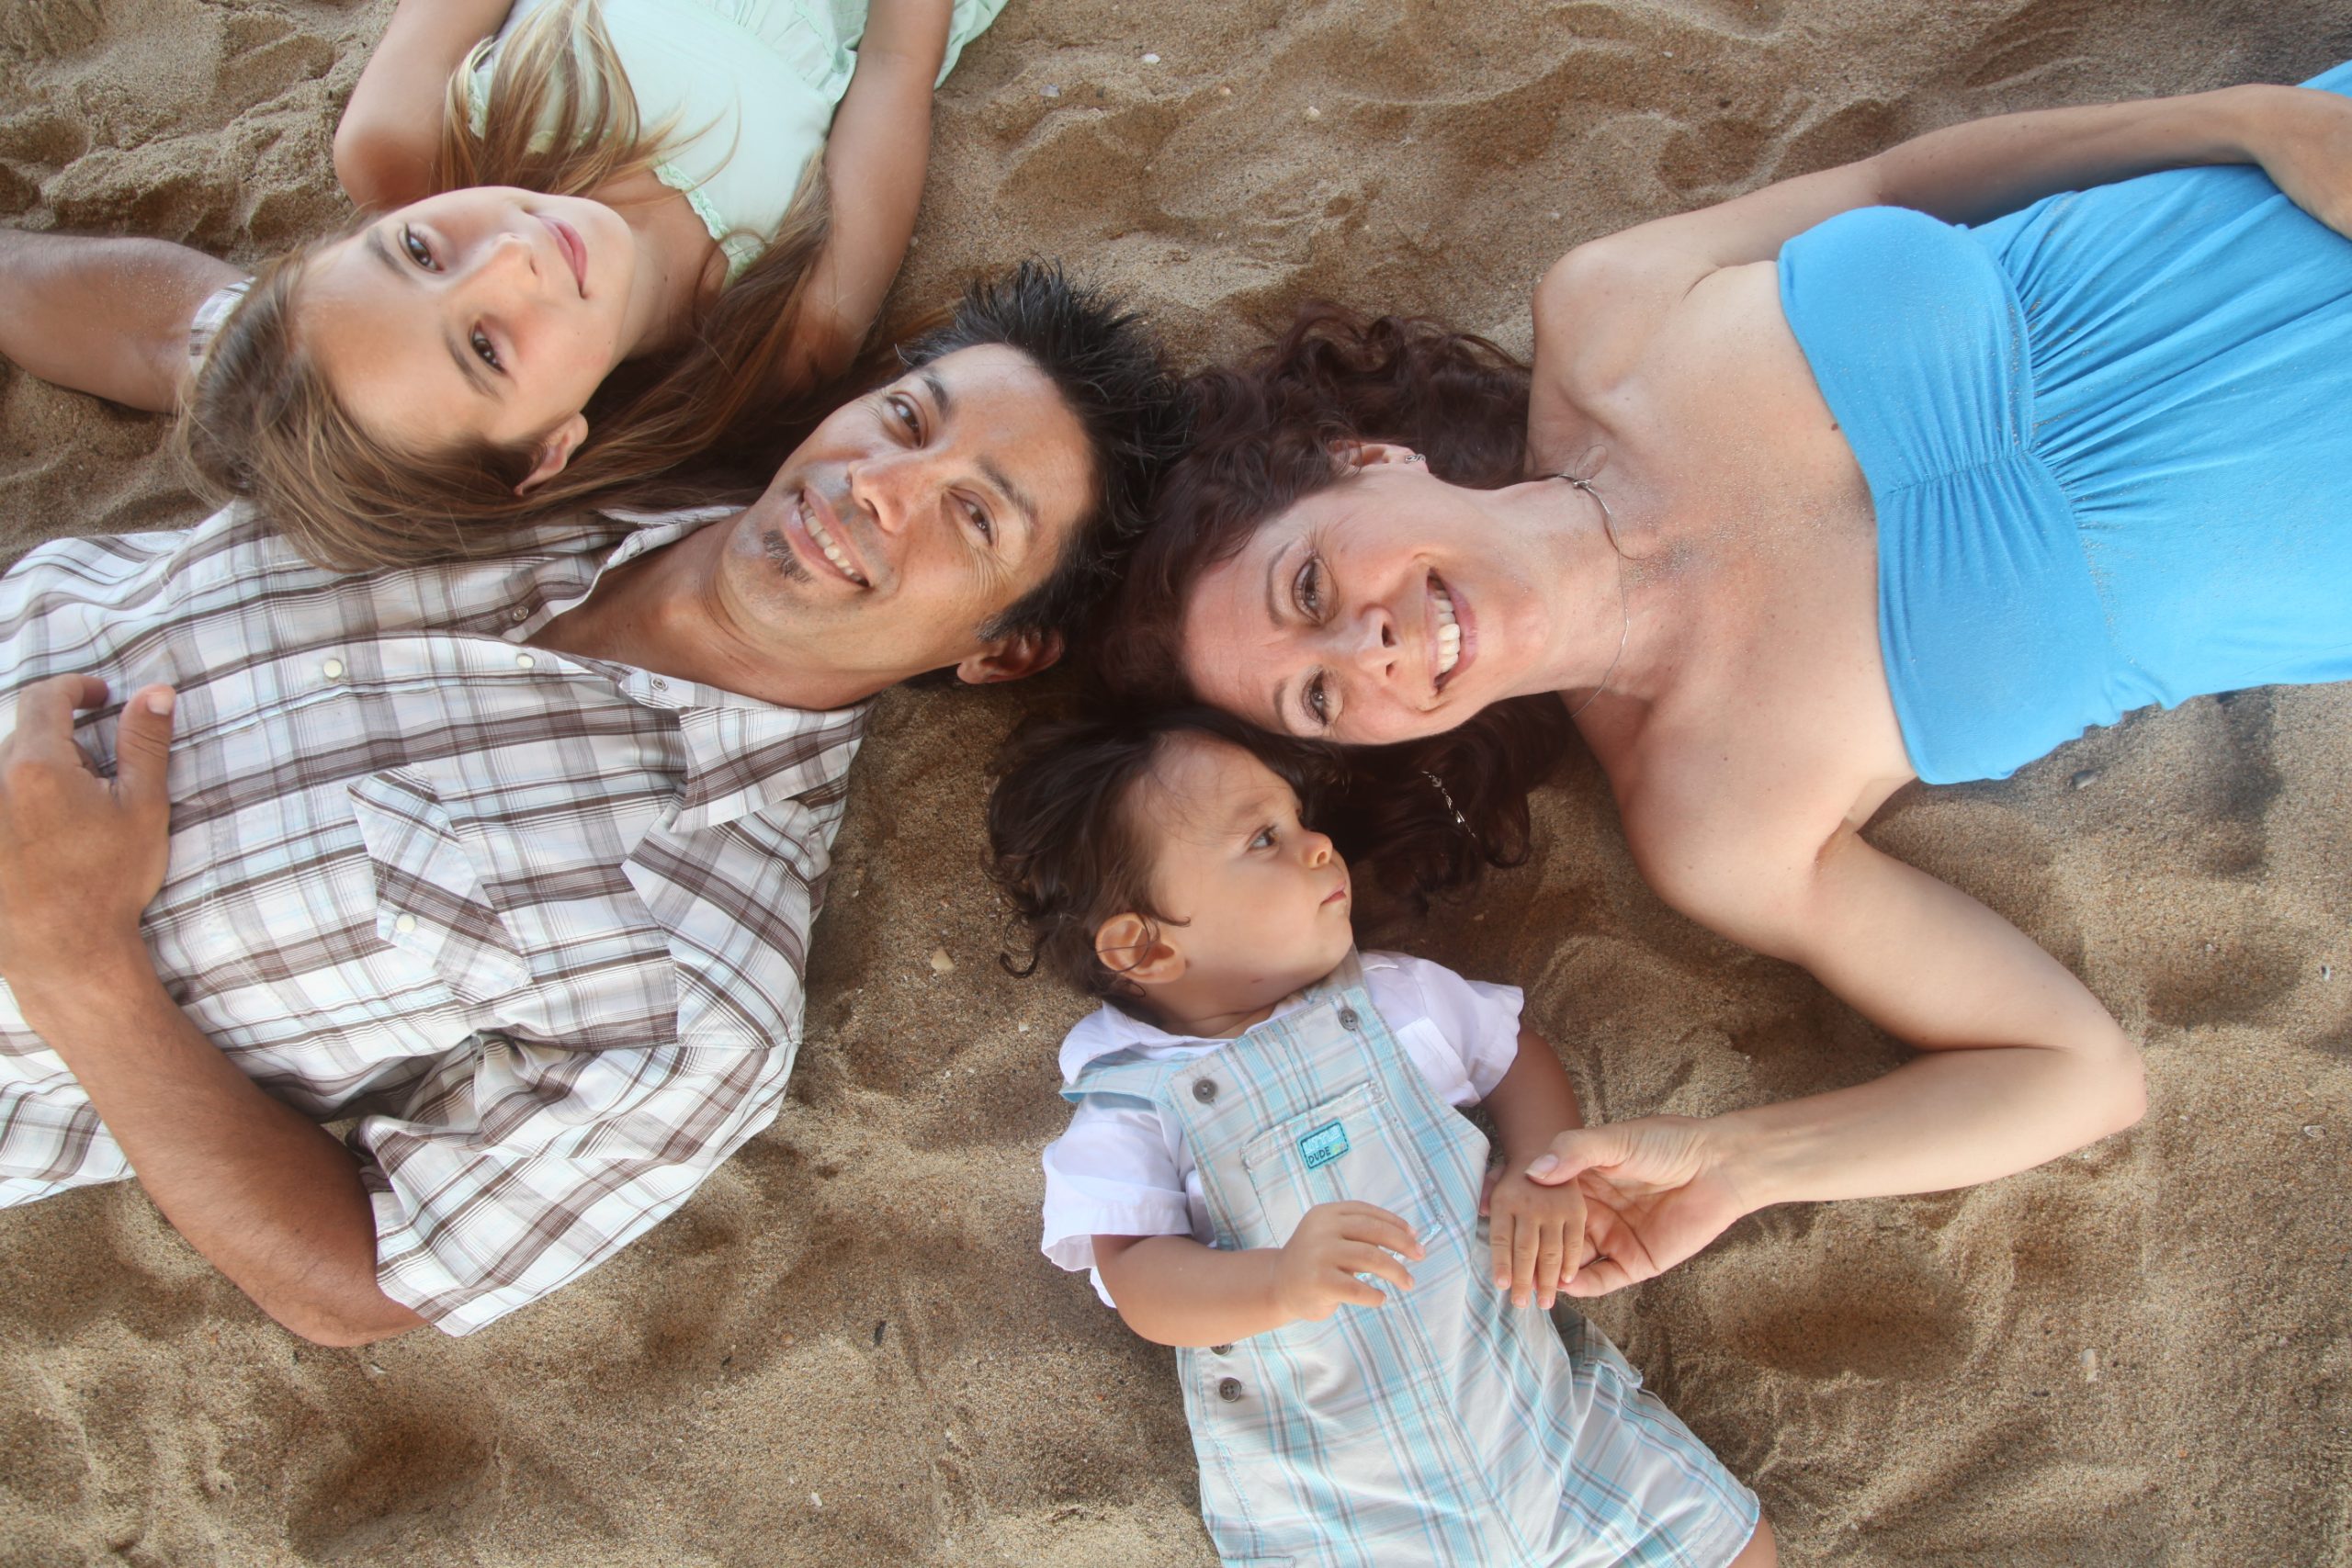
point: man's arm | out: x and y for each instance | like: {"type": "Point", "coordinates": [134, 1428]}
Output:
{"type": "Point", "coordinates": [105, 316]}
{"type": "Point", "coordinates": [266, 1195]}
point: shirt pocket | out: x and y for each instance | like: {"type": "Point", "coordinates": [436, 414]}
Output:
{"type": "Point", "coordinates": [429, 898]}
{"type": "Point", "coordinates": [1347, 1146]}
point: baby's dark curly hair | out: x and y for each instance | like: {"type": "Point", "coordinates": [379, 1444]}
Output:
{"type": "Point", "coordinates": [1064, 840]}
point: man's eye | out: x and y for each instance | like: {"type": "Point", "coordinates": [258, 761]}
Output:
{"type": "Point", "coordinates": [981, 520]}
{"type": "Point", "coordinates": [418, 251]}
{"type": "Point", "coordinates": [485, 347]}
{"type": "Point", "coordinates": [908, 414]}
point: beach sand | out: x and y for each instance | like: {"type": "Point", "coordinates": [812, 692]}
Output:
{"type": "Point", "coordinates": [846, 1348]}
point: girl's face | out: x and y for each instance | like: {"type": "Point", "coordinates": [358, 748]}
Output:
{"type": "Point", "coordinates": [1257, 903]}
{"type": "Point", "coordinates": [486, 314]}
{"type": "Point", "coordinates": [1386, 607]}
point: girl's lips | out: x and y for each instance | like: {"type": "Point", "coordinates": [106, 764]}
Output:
{"type": "Point", "coordinates": [574, 249]}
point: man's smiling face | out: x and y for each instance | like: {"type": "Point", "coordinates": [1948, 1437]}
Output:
{"type": "Point", "coordinates": [910, 520]}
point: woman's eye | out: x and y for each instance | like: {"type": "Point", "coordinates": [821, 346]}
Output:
{"type": "Point", "coordinates": [1319, 701]}
{"type": "Point", "coordinates": [486, 349]}
{"type": "Point", "coordinates": [1310, 589]}
{"type": "Point", "coordinates": [418, 251]}
{"type": "Point", "coordinates": [981, 520]}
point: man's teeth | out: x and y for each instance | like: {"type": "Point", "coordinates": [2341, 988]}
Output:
{"type": "Point", "coordinates": [1448, 632]}
{"type": "Point", "coordinates": [825, 543]}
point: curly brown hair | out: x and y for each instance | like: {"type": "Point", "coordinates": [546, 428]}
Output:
{"type": "Point", "coordinates": [1265, 436]}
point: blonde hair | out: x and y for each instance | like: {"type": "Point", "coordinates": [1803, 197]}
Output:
{"type": "Point", "coordinates": [262, 422]}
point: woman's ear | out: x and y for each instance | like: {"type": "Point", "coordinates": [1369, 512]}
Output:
{"type": "Point", "coordinates": [555, 450]}
{"type": "Point", "coordinates": [1134, 948]}
{"type": "Point", "coordinates": [1353, 456]}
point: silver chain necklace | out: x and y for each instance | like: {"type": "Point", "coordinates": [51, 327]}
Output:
{"type": "Point", "coordinates": [1624, 605]}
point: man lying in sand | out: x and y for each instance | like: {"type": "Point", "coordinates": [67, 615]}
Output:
{"type": "Point", "coordinates": [507, 866]}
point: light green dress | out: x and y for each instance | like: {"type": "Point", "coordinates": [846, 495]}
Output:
{"type": "Point", "coordinates": [750, 86]}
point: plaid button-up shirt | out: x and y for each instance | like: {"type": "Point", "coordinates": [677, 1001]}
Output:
{"type": "Point", "coordinates": [533, 927]}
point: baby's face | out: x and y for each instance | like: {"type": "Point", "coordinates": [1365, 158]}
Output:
{"type": "Point", "coordinates": [1257, 903]}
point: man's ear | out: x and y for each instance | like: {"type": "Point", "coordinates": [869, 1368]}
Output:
{"type": "Point", "coordinates": [1010, 657]}
{"type": "Point", "coordinates": [555, 450]}
{"type": "Point", "coordinates": [1133, 948]}
{"type": "Point", "coordinates": [1351, 456]}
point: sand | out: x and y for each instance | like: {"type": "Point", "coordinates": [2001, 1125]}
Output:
{"type": "Point", "coordinates": [846, 1350]}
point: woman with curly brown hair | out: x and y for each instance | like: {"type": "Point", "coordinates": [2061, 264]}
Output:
{"type": "Point", "coordinates": [1807, 495]}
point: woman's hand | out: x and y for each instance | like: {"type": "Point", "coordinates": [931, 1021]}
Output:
{"type": "Point", "coordinates": [1655, 1192]}
{"type": "Point", "coordinates": [2303, 137]}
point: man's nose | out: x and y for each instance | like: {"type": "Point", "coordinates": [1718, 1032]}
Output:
{"type": "Point", "coordinates": [890, 488]}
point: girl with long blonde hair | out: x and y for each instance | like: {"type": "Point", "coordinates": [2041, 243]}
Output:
{"type": "Point", "coordinates": [602, 245]}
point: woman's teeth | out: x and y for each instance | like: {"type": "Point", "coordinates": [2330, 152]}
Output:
{"type": "Point", "coordinates": [833, 552]}
{"type": "Point", "coordinates": [1448, 632]}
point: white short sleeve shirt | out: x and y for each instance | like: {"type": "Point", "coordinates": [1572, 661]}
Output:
{"type": "Point", "coordinates": [1120, 1171]}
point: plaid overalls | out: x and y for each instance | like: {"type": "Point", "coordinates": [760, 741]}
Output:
{"type": "Point", "coordinates": [1448, 1427]}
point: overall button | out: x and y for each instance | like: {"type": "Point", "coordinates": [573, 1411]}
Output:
{"type": "Point", "coordinates": [1228, 1390]}
{"type": "Point", "coordinates": [1349, 1021]}
{"type": "Point", "coordinates": [522, 613]}
{"type": "Point", "coordinates": [1204, 1089]}
{"type": "Point", "coordinates": [1220, 1349]}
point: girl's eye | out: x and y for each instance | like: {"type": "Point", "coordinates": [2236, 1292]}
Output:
{"type": "Point", "coordinates": [418, 251]}
{"type": "Point", "coordinates": [485, 347]}
{"type": "Point", "coordinates": [905, 409]}
{"type": "Point", "coordinates": [1308, 589]}
{"type": "Point", "coordinates": [980, 520]}
{"type": "Point", "coordinates": [1317, 698]}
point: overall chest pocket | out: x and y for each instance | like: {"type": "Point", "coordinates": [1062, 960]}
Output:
{"type": "Point", "coordinates": [1348, 1146]}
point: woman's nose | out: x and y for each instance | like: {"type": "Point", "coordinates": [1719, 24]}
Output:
{"type": "Point", "coordinates": [1375, 641]}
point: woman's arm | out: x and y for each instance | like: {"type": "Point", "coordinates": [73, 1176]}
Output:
{"type": "Point", "coordinates": [384, 143]}
{"type": "Point", "coordinates": [1604, 298]}
{"type": "Point", "coordinates": [105, 316]}
{"type": "Point", "coordinates": [2020, 1061]}
{"type": "Point", "coordinates": [875, 159]}
{"type": "Point", "coordinates": [1173, 1291]}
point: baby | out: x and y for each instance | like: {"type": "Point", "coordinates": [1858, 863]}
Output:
{"type": "Point", "coordinates": [1267, 1169]}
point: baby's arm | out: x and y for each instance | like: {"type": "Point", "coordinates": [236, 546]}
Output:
{"type": "Point", "coordinates": [105, 316]}
{"type": "Point", "coordinates": [385, 141]}
{"type": "Point", "coordinates": [874, 163]}
{"type": "Point", "coordinates": [1537, 1232]}
{"type": "Point", "coordinates": [1173, 1291]}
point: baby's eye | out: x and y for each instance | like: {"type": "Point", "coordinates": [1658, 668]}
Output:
{"type": "Point", "coordinates": [1264, 838]}
{"type": "Point", "coordinates": [418, 251]}
{"type": "Point", "coordinates": [485, 348]}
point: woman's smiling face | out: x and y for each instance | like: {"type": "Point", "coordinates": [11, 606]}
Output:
{"type": "Point", "coordinates": [1387, 606]}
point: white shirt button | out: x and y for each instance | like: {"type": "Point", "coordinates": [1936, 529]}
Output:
{"type": "Point", "coordinates": [332, 669]}
{"type": "Point", "coordinates": [525, 661]}
{"type": "Point", "coordinates": [405, 924]}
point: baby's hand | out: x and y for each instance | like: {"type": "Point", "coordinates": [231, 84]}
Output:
{"type": "Point", "coordinates": [1316, 1271]}
{"type": "Point", "coordinates": [1537, 1232]}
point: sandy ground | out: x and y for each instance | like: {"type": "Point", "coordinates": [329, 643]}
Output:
{"type": "Point", "coordinates": [846, 1350]}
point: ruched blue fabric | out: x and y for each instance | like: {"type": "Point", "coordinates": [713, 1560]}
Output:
{"type": "Point", "coordinates": [2110, 442]}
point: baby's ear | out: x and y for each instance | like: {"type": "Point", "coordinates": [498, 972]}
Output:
{"type": "Point", "coordinates": [1134, 948]}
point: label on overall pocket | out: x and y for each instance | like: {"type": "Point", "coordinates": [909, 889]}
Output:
{"type": "Point", "coordinates": [1323, 1145]}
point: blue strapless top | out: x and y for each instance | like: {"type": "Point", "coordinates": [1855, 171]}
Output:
{"type": "Point", "coordinates": [2110, 442]}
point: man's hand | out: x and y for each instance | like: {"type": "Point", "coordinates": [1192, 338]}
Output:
{"type": "Point", "coordinates": [1315, 1272]}
{"type": "Point", "coordinates": [1537, 1232]}
{"type": "Point", "coordinates": [1656, 1191]}
{"type": "Point", "coordinates": [81, 856]}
